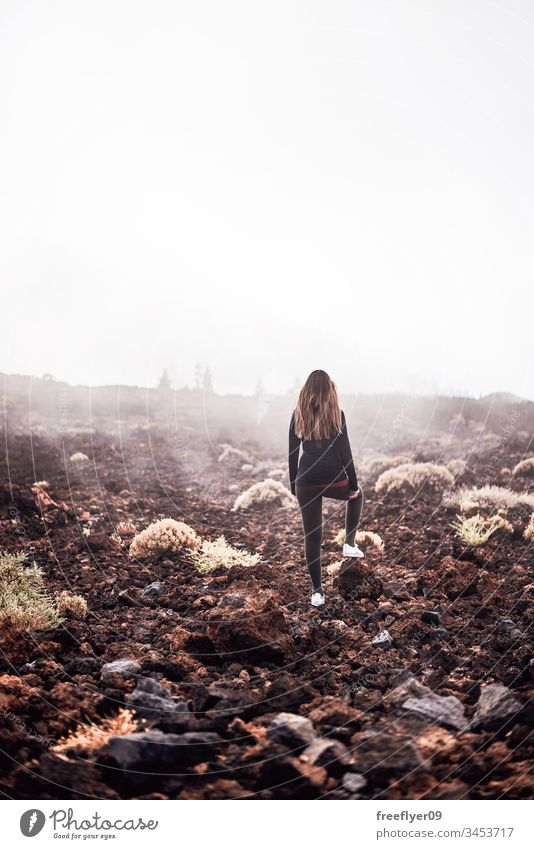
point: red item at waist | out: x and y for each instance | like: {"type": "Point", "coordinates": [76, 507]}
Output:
{"type": "Point", "coordinates": [343, 482]}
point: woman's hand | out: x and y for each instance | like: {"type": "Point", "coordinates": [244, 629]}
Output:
{"type": "Point", "coordinates": [354, 494]}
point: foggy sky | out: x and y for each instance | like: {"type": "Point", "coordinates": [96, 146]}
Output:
{"type": "Point", "coordinates": [269, 188]}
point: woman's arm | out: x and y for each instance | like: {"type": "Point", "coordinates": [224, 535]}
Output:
{"type": "Point", "coordinates": [345, 453]}
{"type": "Point", "coordinates": [294, 446]}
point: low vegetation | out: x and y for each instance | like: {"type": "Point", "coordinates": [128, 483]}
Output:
{"type": "Point", "coordinates": [476, 530]}
{"type": "Point", "coordinates": [410, 477]}
{"type": "Point", "coordinates": [89, 737]}
{"type": "Point", "coordinates": [362, 538]}
{"type": "Point", "coordinates": [71, 605]}
{"type": "Point", "coordinates": [23, 599]}
{"type": "Point", "coordinates": [166, 536]}
{"type": "Point", "coordinates": [219, 552]}
{"type": "Point", "coordinates": [488, 498]}
{"type": "Point", "coordinates": [525, 467]}
{"type": "Point", "coordinates": [268, 491]}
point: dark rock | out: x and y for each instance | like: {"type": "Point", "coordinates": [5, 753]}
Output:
{"type": "Point", "coordinates": [446, 710]}
{"type": "Point", "coordinates": [409, 689]}
{"type": "Point", "coordinates": [159, 752]}
{"type": "Point", "coordinates": [380, 756]}
{"type": "Point", "coordinates": [292, 730]}
{"type": "Point", "coordinates": [126, 668]}
{"type": "Point", "coordinates": [154, 590]}
{"type": "Point", "coordinates": [432, 617]}
{"type": "Point", "coordinates": [504, 625]}
{"type": "Point", "coordinates": [83, 666]}
{"type": "Point", "coordinates": [438, 634]}
{"type": "Point", "coordinates": [326, 752]}
{"type": "Point", "coordinates": [383, 640]}
{"type": "Point", "coordinates": [153, 701]}
{"type": "Point", "coordinates": [497, 707]}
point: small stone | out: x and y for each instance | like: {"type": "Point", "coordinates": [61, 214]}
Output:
{"type": "Point", "coordinates": [496, 706]}
{"type": "Point", "coordinates": [446, 710]}
{"type": "Point", "coordinates": [437, 634]}
{"type": "Point", "coordinates": [154, 589]}
{"type": "Point", "coordinates": [353, 782]}
{"type": "Point", "coordinates": [432, 617]}
{"type": "Point", "coordinates": [504, 625]}
{"type": "Point", "coordinates": [383, 640]}
{"type": "Point", "coordinates": [292, 729]}
{"type": "Point", "coordinates": [326, 752]}
{"type": "Point", "coordinates": [126, 668]}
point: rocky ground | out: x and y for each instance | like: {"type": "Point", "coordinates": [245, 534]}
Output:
{"type": "Point", "coordinates": [237, 687]}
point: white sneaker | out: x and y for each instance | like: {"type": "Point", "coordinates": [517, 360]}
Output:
{"type": "Point", "coordinates": [352, 551]}
{"type": "Point", "coordinates": [317, 599]}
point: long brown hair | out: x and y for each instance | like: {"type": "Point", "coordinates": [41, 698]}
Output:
{"type": "Point", "coordinates": [317, 414]}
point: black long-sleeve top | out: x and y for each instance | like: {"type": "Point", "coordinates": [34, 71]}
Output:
{"type": "Point", "coordinates": [323, 460]}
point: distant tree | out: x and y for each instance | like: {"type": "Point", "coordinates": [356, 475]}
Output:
{"type": "Point", "coordinates": [48, 377]}
{"type": "Point", "coordinates": [164, 382]}
{"type": "Point", "coordinates": [198, 376]}
{"type": "Point", "coordinates": [207, 383]}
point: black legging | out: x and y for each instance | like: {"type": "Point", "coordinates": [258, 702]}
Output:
{"type": "Point", "coordinates": [310, 499]}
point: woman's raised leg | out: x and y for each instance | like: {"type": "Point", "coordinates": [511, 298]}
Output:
{"type": "Point", "coordinates": [311, 508]}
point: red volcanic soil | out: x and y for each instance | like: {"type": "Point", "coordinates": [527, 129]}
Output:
{"type": "Point", "coordinates": [238, 687]}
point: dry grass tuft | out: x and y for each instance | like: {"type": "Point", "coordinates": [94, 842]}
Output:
{"type": "Point", "coordinates": [381, 464]}
{"type": "Point", "coordinates": [71, 605]}
{"type": "Point", "coordinates": [362, 537]}
{"type": "Point", "coordinates": [90, 737]}
{"type": "Point", "coordinates": [23, 600]}
{"type": "Point", "coordinates": [525, 467]}
{"type": "Point", "coordinates": [488, 498]}
{"type": "Point", "coordinates": [409, 477]}
{"type": "Point", "coordinates": [232, 456]}
{"type": "Point", "coordinates": [268, 491]}
{"type": "Point", "coordinates": [476, 530]}
{"type": "Point", "coordinates": [220, 553]}
{"type": "Point", "coordinates": [528, 533]}
{"type": "Point", "coordinates": [166, 536]}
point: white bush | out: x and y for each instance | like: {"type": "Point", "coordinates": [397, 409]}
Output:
{"type": "Point", "coordinates": [166, 536]}
{"type": "Point", "coordinates": [413, 476]}
{"type": "Point", "coordinates": [268, 491]}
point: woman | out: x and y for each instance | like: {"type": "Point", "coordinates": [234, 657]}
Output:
{"type": "Point", "coordinates": [326, 468]}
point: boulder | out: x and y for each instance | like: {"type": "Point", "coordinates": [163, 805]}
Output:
{"type": "Point", "coordinates": [445, 710]}
{"type": "Point", "coordinates": [125, 667]}
{"type": "Point", "coordinates": [160, 752]}
{"type": "Point", "coordinates": [326, 752]}
{"type": "Point", "coordinates": [291, 730]}
{"type": "Point", "coordinates": [381, 756]}
{"type": "Point", "coordinates": [497, 706]}
{"type": "Point", "coordinates": [250, 625]}
{"type": "Point", "coordinates": [153, 701]}
{"type": "Point", "coordinates": [409, 689]}
{"type": "Point", "coordinates": [356, 580]}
